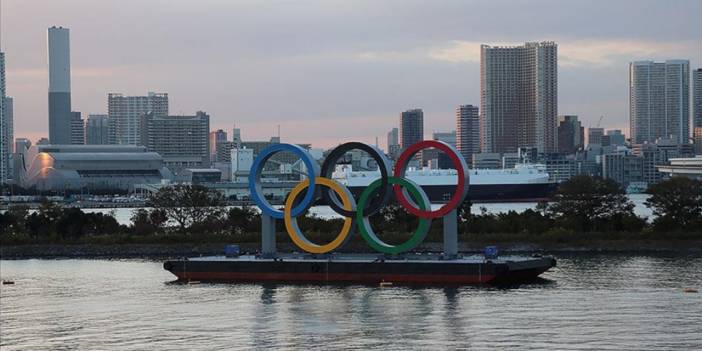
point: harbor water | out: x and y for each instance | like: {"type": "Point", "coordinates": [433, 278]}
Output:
{"type": "Point", "coordinates": [588, 302]}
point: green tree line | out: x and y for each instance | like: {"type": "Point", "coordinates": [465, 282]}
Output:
{"type": "Point", "coordinates": [581, 206]}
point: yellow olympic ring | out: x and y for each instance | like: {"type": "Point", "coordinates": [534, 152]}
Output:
{"type": "Point", "coordinates": [294, 232]}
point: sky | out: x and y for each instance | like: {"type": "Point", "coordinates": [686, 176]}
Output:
{"type": "Point", "coordinates": [332, 71]}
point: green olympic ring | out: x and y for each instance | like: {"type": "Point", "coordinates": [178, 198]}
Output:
{"type": "Point", "coordinates": [364, 224]}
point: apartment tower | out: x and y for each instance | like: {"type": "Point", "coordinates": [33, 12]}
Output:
{"type": "Point", "coordinates": [468, 131]}
{"type": "Point", "coordinates": [697, 109]}
{"type": "Point", "coordinates": [125, 114]}
{"type": "Point", "coordinates": [519, 97]}
{"type": "Point", "coordinates": [4, 152]}
{"type": "Point", "coordinates": [659, 101]}
{"type": "Point", "coordinates": [411, 127]}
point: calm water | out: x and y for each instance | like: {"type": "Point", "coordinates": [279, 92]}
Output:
{"type": "Point", "coordinates": [589, 302]}
{"type": "Point", "coordinates": [123, 215]}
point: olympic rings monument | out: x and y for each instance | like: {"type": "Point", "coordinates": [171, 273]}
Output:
{"type": "Point", "coordinates": [321, 263]}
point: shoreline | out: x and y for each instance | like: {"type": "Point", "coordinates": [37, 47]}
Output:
{"type": "Point", "coordinates": [170, 251]}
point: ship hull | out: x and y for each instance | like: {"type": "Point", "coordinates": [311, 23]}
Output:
{"type": "Point", "coordinates": [486, 193]}
{"type": "Point", "coordinates": [359, 271]}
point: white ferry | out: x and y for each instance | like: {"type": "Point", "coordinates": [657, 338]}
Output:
{"type": "Point", "coordinates": [523, 183]}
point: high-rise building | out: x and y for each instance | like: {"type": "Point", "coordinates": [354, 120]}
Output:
{"type": "Point", "coordinates": [59, 86]}
{"type": "Point", "coordinates": [236, 136]}
{"type": "Point", "coordinates": [77, 129]}
{"type": "Point", "coordinates": [4, 127]}
{"type": "Point", "coordinates": [697, 107]}
{"type": "Point", "coordinates": [594, 136]}
{"type": "Point", "coordinates": [224, 151]}
{"type": "Point", "coordinates": [468, 131]}
{"type": "Point", "coordinates": [125, 111]}
{"type": "Point", "coordinates": [393, 143]}
{"type": "Point", "coordinates": [8, 116]}
{"type": "Point", "coordinates": [393, 138]}
{"type": "Point", "coordinates": [614, 137]}
{"type": "Point", "coordinates": [217, 137]}
{"type": "Point", "coordinates": [182, 141]}
{"type": "Point", "coordinates": [571, 134]}
{"type": "Point", "coordinates": [519, 97]}
{"type": "Point", "coordinates": [659, 101]}
{"type": "Point", "coordinates": [9, 122]}
{"type": "Point", "coordinates": [411, 128]}
{"type": "Point", "coordinates": [97, 130]}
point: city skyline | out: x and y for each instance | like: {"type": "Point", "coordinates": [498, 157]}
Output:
{"type": "Point", "coordinates": [357, 82]}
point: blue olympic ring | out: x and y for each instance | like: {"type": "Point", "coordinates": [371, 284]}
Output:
{"type": "Point", "coordinates": [257, 169]}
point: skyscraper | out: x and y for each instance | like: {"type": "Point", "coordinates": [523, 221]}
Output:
{"type": "Point", "coordinates": [59, 86]}
{"type": "Point", "coordinates": [468, 131]}
{"type": "Point", "coordinates": [125, 114]}
{"type": "Point", "coordinates": [97, 130]}
{"type": "Point", "coordinates": [217, 137]}
{"type": "Point", "coordinates": [4, 152]}
{"type": "Point", "coordinates": [659, 101]}
{"type": "Point", "coordinates": [9, 133]}
{"type": "Point", "coordinates": [519, 97]}
{"type": "Point", "coordinates": [571, 134]}
{"type": "Point", "coordinates": [411, 127]}
{"type": "Point", "coordinates": [697, 106]}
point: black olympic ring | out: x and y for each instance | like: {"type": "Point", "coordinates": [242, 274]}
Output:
{"type": "Point", "coordinates": [379, 157]}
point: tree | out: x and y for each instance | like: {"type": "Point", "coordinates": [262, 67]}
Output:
{"type": "Point", "coordinates": [14, 219]}
{"type": "Point", "coordinates": [243, 220]}
{"type": "Point", "coordinates": [585, 203]}
{"type": "Point", "coordinates": [676, 203]}
{"type": "Point", "coordinates": [141, 223]}
{"type": "Point", "coordinates": [189, 205]}
{"type": "Point", "coordinates": [158, 219]}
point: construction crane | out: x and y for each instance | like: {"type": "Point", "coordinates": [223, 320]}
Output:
{"type": "Point", "coordinates": [599, 121]}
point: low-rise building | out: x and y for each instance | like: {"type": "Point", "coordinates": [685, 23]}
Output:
{"type": "Point", "coordinates": [91, 167]}
{"type": "Point", "coordinates": [690, 167]}
{"type": "Point", "coordinates": [200, 176]}
{"type": "Point", "coordinates": [624, 168]}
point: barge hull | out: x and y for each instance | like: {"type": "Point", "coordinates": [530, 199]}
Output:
{"type": "Point", "coordinates": [411, 272]}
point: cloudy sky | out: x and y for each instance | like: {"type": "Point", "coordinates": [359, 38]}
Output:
{"type": "Point", "coordinates": [332, 71]}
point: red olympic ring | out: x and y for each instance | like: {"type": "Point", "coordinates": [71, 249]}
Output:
{"type": "Point", "coordinates": [461, 189]}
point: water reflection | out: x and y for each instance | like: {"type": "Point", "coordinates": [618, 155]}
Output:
{"type": "Point", "coordinates": [586, 302]}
